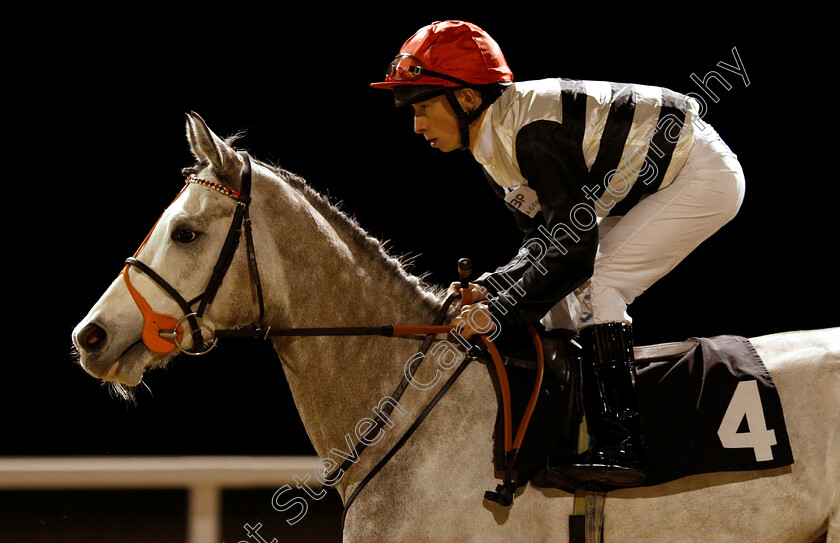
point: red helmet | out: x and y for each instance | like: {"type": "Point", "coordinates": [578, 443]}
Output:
{"type": "Point", "coordinates": [447, 54]}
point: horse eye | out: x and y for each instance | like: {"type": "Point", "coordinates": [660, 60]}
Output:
{"type": "Point", "coordinates": [183, 235]}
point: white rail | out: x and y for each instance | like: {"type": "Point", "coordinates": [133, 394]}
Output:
{"type": "Point", "coordinates": [204, 477]}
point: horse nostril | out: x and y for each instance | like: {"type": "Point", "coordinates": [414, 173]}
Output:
{"type": "Point", "coordinates": [92, 337]}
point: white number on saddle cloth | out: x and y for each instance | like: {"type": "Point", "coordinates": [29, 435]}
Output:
{"type": "Point", "coordinates": [746, 402]}
{"type": "Point", "coordinates": [524, 198]}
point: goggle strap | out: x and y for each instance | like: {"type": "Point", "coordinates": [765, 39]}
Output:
{"type": "Point", "coordinates": [419, 71]}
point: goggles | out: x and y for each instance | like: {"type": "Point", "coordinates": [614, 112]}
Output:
{"type": "Point", "coordinates": [407, 68]}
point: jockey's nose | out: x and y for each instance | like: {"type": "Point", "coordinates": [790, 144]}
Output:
{"type": "Point", "coordinates": [91, 338]}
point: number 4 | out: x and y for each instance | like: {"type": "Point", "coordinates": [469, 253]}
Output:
{"type": "Point", "coordinates": [747, 402]}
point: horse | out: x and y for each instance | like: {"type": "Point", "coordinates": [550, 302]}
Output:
{"type": "Point", "coordinates": [327, 272]}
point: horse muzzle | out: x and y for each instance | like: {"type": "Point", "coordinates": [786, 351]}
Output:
{"type": "Point", "coordinates": [103, 355]}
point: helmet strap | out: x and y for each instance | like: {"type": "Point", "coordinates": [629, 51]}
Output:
{"type": "Point", "coordinates": [465, 119]}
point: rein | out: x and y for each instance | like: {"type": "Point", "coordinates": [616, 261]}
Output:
{"type": "Point", "coordinates": [164, 333]}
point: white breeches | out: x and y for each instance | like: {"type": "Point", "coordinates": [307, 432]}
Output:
{"type": "Point", "coordinates": [639, 248]}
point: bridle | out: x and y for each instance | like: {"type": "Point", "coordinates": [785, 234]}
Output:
{"type": "Point", "coordinates": [164, 333]}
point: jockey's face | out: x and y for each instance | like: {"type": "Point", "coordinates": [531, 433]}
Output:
{"type": "Point", "coordinates": [435, 121]}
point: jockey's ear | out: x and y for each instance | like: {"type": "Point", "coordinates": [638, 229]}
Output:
{"type": "Point", "coordinates": [208, 147]}
{"type": "Point", "coordinates": [470, 99]}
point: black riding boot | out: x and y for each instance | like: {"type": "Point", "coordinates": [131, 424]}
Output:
{"type": "Point", "coordinates": [616, 454]}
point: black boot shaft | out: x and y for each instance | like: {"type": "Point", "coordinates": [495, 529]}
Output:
{"type": "Point", "coordinates": [616, 455]}
{"type": "Point", "coordinates": [609, 344]}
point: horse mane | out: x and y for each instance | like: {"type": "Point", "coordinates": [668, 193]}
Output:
{"type": "Point", "coordinates": [396, 265]}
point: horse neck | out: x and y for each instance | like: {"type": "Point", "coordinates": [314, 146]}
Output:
{"type": "Point", "coordinates": [338, 276]}
{"type": "Point", "coordinates": [333, 272]}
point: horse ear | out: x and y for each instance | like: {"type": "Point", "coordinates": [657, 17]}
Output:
{"type": "Point", "coordinates": [207, 146]}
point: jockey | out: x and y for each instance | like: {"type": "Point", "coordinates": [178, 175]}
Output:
{"type": "Point", "coordinates": [612, 185]}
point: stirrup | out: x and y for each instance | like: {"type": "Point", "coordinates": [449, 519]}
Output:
{"type": "Point", "coordinates": [597, 475]}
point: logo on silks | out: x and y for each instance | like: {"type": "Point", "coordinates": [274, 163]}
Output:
{"type": "Point", "coordinates": [524, 198]}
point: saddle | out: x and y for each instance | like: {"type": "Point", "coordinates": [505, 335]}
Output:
{"type": "Point", "coordinates": [707, 405]}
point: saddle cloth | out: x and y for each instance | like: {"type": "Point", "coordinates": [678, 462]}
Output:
{"type": "Point", "coordinates": [707, 405]}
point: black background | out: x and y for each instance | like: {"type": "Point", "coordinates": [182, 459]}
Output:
{"type": "Point", "coordinates": [95, 142]}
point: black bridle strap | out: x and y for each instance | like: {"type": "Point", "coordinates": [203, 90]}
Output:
{"type": "Point", "coordinates": [257, 332]}
{"type": "Point", "coordinates": [186, 306]}
{"type": "Point", "coordinates": [232, 238]}
{"type": "Point", "coordinates": [382, 416]}
{"type": "Point", "coordinates": [224, 260]}
{"type": "Point", "coordinates": [252, 265]}
{"type": "Point", "coordinates": [405, 437]}
{"type": "Point", "coordinates": [162, 283]}
{"type": "Point", "coordinates": [391, 330]}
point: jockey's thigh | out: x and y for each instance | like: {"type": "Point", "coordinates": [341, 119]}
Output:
{"type": "Point", "coordinates": [644, 245]}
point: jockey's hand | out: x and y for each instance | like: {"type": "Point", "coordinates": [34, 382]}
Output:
{"type": "Point", "coordinates": [473, 319]}
{"type": "Point", "coordinates": [476, 292]}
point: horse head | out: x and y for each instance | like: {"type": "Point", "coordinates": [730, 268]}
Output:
{"type": "Point", "coordinates": [160, 303]}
